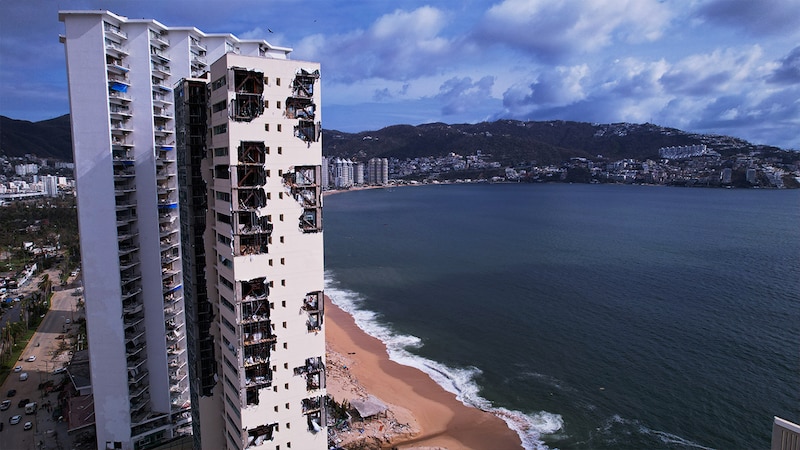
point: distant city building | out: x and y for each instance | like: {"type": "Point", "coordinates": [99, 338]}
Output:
{"type": "Point", "coordinates": [50, 184]}
{"type": "Point", "coordinates": [378, 171]}
{"type": "Point", "coordinates": [342, 173]}
{"type": "Point", "coordinates": [326, 178]}
{"type": "Point", "coordinates": [233, 339]}
{"type": "Point", "coordinates": [686, 151]}
{"type": "Point", "coordinates": [26, 169]}
{"type": "Point", "coordinates": [726, 175]}
{"type": "Point", "coordinates": [358, 173]}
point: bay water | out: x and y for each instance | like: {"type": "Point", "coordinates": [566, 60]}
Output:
{"type": "Point", "coordinates": [586, 316]}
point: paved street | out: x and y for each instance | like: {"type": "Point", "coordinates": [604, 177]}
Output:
{"type": "Point", "coordinates": [44, 346]}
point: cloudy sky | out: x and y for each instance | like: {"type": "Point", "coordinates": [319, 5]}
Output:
{"type": "Point", "coordinates": [712, 66]}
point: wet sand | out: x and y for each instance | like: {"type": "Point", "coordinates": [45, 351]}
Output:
{"type": "Point", "coordinates": [421, 413]}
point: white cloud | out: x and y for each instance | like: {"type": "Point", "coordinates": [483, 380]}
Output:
{"type": "Point", "coordinates": [397, 46]}
{"type": "Point", "coordinates": [553, 30]}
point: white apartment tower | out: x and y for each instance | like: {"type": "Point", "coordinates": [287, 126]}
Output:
{"type": "Point", "coordinates": [200, 234]}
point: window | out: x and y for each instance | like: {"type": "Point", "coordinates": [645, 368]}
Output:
{"type": "Point", "coordinates": [280, 149]}
{"type": "Point", "coordinates": [266, 127]}
{"type": "Point", "coordinates": [279, 127]}
{"type": "Point", "coordinates": [222, 151]}
{"type": "Point", "coordinates": [218, 83]}
{"type": "Point", "coordinates": [224, 196]}
{"type": "Point", "coordinates": [217, 107]}
{"type": "Point", "coordinates": [266, 104]}
{"type": "Point", "coordinates": [220, 129]}
{"type": "Point", "coordinates": [278, 106]}
{"type": "Point", "coordinates": [277, 81]}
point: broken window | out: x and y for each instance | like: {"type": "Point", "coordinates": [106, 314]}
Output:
{"type": "Point", "coordinates": [249, 199]}
{"type": "Point", "coordinates": [314, 373]}
{"type": "Point", "coordinates": [251, 152]}
{"type": "Point", "coordinates": [250, 176]}
{"type": "Point", "coordinates": [259, 434]}
{"type": "Point", "coordinates": [300, 108]}
{"type": "Point", "coordinates": [256, 289]}
{"type": "Point", "coordinates": [303, 83]}
{"type": "Point", "coordinates": [311, 220]}
{"type": "Point", "coordinates": [249, 101]}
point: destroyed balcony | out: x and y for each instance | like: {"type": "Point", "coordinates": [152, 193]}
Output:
{"type": "Point", "coordinates": [255, 289]}
{"type": "Point", "coordinates": [256, 436]}
{"type": "Point", "coordinates": [136, 376]}
{"type": "Point", "coordinates": [248, 222]}
{"type": "Point", "coordinates": [311, 220]}
{"type": "Point", "coordinates": [314, 421]}
{"type": "Point", "coordinates": [250, 244]}
{"type": "Point", "coordinates": [254, 311]}
{"type": "Point", "coordinates": [255, 333]}
{"type": "Point", "coordinates": [251, 152]}
{"type": "Point", "coordinates": [311, 404]}
{"type": "Point", "coordinates": [313, 301]}
{"type": "Point", "coordinates": [300, 108]}
{"type": "Point", "coordinates": [307, 130]}
{"type": "Point", "coordinates": [249, 199]}
{"type": "Point", "coordinates": [246, 107]}
{"type": "Point", "coordinates": [251, 176]}
{"type": "Point", "coordinates": [132, 309]}
{"type": "Point", "coordinates": [314, 322]}
{"type": "Point", "coordinates": [248, 81]}
{"type": "Point", "coordinates": [303, 83]}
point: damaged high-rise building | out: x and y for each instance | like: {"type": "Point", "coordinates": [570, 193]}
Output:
{"type": "Point", "coordinates": [198, 158]}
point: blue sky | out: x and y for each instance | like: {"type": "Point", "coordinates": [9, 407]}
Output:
{"type": "Point", "coordinates": [710, 66]}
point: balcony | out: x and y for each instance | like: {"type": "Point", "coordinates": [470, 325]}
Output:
{"type": "Point", "coordinates": [114, 49]}
{"type": "Point", "coordinates": [158, 38]}
{"type": "Point", "coordinates": [120, 112]}
{"type": "Point", "coordinates": [161, 99]}
{"type": "Point", "coordinates": [137, 376]}
{"type": "Point", "coordinates": [158, 56]}
{"type": "Point", "coordinates": [118, 97]}
{"type": "Point", "coordinates": [113, 32]}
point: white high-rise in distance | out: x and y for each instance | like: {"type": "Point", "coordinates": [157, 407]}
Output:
{"type": "Point", "coordinates": [197, 163]}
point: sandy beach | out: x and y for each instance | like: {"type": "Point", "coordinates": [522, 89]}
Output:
{"type": "Point", "coordinates": [421, 414]}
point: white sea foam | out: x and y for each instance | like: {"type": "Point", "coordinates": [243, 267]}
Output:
{"type": "Point", "coordinates": [459, 381]}
{"type": "Point", "coordinates": [663, 436]}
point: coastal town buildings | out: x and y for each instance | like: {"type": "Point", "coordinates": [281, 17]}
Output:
{"type": "Point", "coordinates": [197, 163]}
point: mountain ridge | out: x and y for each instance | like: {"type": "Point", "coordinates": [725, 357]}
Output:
{"type": "Point", "coordinates": [508, 141]}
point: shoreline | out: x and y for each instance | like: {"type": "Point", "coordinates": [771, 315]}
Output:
{"type": "Point", "coordinates": [421, 414]}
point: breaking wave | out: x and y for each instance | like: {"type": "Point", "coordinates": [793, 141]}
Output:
{"type": "Point", "coordinates": [459, 381]}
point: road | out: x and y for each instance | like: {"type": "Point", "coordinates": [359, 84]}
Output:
{"type": "Point", "coordinates": [44, 346]}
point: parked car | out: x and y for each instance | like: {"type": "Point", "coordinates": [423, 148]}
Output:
{"type": "Point", "coordinates": [23, 376]}
{"type": "Point", "coordinates": [23, 402]}
{"type": "Point", "coordinates": [15, 419]}
{"type": "Point", "coordinates": [11, 393]}
{"type": "Point", "coordinates": [31, 358]}
{"type": "Point", "coordinates": [18, 369]}
{"type": "Point", "coordinates": [59, 370]}
{"type": "Point", "coordinates": [27, 426]}
{"type": "Point", "coordinates": [5, 405]}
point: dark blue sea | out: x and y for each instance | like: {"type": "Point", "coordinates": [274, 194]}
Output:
{"type": "Point", "coordinates": [586, 316]}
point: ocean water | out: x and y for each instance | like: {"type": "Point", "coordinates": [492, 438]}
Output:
{"type": "Point", "coordinates": [586, 316]}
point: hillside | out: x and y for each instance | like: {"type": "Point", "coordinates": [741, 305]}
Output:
{"type": "Point", "coordinates": [508, 141]}
{"type": "Point", "coordinates": [47, 139]}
